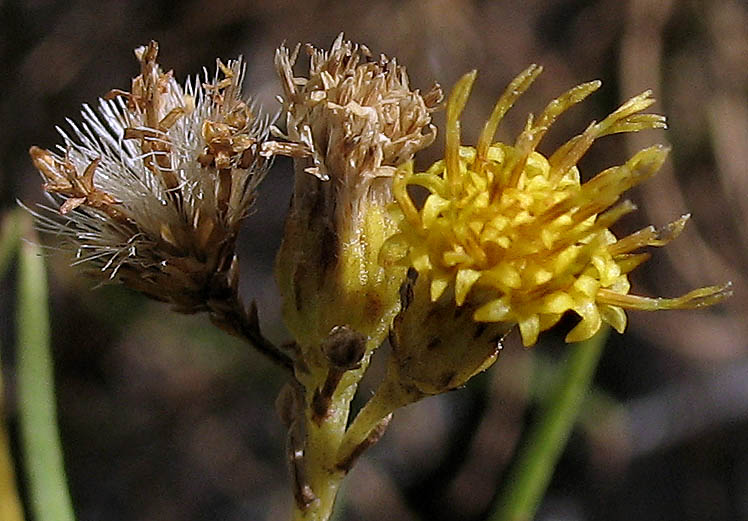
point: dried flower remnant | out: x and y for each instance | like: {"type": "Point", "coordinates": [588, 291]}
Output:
{"type": "Point", "coordinates": [349, 123]}
{"type": "Point", "coordinates": [518, 237]}
{"type": "Point", "coordinates": [151, 188]}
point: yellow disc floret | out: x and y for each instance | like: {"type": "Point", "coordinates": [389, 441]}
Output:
{"type": "Point", "coordinates": [506, 219]}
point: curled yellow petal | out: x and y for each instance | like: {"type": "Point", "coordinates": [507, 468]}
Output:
{"type": "Point", "coordinates": [495, 311]}
{"type": "Point", "coordinates": [615, 316]}
{"type": "Point", "coordinates": [529, 328]}
{"type": "Point", "coordinates": [589, 325]}
{"type": "Point", "coordinates": [463, 282]}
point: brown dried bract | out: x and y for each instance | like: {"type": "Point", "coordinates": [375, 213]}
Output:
{"type": "Point", "coordinates": [63, 178]}
{"type": "Point", "coordinates": [146, 104]}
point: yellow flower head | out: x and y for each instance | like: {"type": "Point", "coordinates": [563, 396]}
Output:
{"type": "Point", "coordinates": [518, 236]}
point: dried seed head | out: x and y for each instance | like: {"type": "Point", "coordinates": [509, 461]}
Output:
{"type": "Point", "coordinates": [355, 118]}
{"type": "Point", "coordinates": [150, 189]}
{"type": "Point", "coordinates": [350, 120]}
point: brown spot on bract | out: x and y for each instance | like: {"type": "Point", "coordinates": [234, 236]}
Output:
{"type": "Point", "coordinates": [433, 343]}
{"type": "Point", "coordinates": [297, 297]}
{"type": "Point", "coordinates": [328, 250]}
{"type": "Point", "coordinates": [446, 379]}
{"type": "Point", "coordinates": [480, 328]}
{"type": "Point", "coordinates": [373, 304]}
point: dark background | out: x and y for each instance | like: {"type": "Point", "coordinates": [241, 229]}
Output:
{"type": "Point", "coordinates": [165, 418]}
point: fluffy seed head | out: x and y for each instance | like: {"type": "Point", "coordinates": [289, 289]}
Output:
{"type": "Point", "coordinates": [150, 188]}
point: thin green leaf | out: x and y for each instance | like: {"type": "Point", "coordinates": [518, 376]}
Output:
{"type": "Point", "coordinates": [45, 473]}
{"type": "Point", "coordinates": [8, 239]}
{"type": "Point", "coordinates": [533, 468]}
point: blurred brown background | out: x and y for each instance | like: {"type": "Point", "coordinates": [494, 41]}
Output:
{"type": "Point", "coordinates": [164, 418]}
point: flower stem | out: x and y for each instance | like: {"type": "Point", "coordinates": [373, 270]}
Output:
{"type": "Point", "coordinates": [389, 396]}
{"type": "Point", "coordinates": [533, 468]}
{"type": "Point", "coordinates": [331, 450]}
{"type": "Point", "coordinates": [45, 471]}
{"type": "Point", "coordinates": [323, 440]}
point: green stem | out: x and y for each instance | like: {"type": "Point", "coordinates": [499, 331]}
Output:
{"type": "Point", "coordinates": [9, 235]}
{"type": "Point", "coordinates": [324, 479]}
{"type": "Point", "coordinates": [533, 468]}
{"type": "Point", "coordinates": [323, 439]}
{"type": "Point", "coordinates": [390, 395]}
{"type": "Point", "coordinates": [45, 472]}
